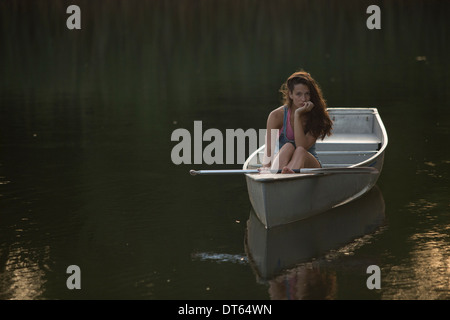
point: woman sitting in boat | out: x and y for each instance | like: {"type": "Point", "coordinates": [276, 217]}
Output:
{"type": "Point", "coordinates": [301, 121]}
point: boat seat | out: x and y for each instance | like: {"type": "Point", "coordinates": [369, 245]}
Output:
{"type": "Point", "coordinates": [351, 142]}
{"type": "Point", "coordinates": [342, 149]}
{"type": "Point", "coordinates": [344, 158]}
{"type": "Point", "coordinates": [357, 147]}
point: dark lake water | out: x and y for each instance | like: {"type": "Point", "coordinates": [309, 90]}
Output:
{"type": "Point", "coordinates": [87, 179]}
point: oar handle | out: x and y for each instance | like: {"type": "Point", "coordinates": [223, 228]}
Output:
{"type": "Point", "coordinates": [351, 170]}
{"type": "Point", "coordinates": [215, 172]}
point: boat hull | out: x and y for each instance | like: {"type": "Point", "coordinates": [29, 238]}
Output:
{"type": "Point", "coordinates": [279, 201]}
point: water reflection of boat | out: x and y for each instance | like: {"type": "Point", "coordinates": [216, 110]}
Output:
{"type": "Point", "coordinates": [271, 251]}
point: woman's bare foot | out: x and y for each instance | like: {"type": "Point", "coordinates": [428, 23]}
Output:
{"type": "Point", "coordinates": [264, 170]}
{"type": "Point", "coordinates": [287, 170]}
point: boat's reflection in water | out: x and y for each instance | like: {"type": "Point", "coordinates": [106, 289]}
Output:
{"type": "Point", "coordinates": [284, 256]}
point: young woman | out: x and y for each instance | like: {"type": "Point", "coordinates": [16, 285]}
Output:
{"type": "Point", "coordinates": [301, 121]}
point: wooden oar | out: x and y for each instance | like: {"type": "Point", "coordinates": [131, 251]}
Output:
{"type": "Point", "coordinates": [305, 170]}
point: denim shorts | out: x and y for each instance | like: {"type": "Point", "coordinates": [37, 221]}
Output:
{"type": "Point", "coordinates": [282, 140]}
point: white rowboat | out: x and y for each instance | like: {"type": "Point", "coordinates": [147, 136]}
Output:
{"type": "Point", "coordinates": [359, 140]}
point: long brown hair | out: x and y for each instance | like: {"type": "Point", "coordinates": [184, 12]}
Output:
{"type": "Point", "coordinates": [318, 122]}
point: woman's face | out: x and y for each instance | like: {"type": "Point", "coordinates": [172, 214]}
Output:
{"type": "Point", "coordinates": [299, 95]}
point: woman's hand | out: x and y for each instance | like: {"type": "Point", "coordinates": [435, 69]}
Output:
{"type": "Point", "coordinates": [307, 107]}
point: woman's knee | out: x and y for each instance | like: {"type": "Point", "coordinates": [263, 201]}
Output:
{"type": "Point", "coordinates": [288, 148]}
{"type": "Point", "coordinates": [301, 151]}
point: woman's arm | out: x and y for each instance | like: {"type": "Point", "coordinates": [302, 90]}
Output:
{"type": "Point", "coordinates": [274, 122]}
{"type": "Point", "coordinates": [301, 139]}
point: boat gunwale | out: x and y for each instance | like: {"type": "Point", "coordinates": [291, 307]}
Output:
{"type": "Point", "coordinates": [384, 142]}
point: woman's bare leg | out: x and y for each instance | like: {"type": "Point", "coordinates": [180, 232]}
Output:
{"type": "Point", "coordinates": [283, 156]}
{"type": "Point", "coordinates": [301, 158]}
